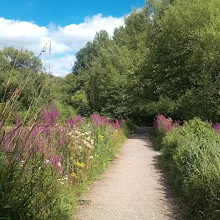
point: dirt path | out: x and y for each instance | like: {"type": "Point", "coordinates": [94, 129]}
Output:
{"type": "Point", "coordinates": [132, 187]}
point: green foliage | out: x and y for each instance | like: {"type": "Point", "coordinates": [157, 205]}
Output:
{"type": "Point", "coordinates": [164, 60]}
{"type": "Point", "coordinates": [157, 137]}
{"type": "Point", "coordinates": [107, 69]}
{"type": "Point", "coordinates": [166, 54]}
{"type": "Point", "coordinates": [21, 60]}
{"type": "Point", "coordinates": [23, 70]}
{"type": "Point", "coordinates": [66, 111]}
{"type": "Point", "coordinates": [37, 198]}
{"type": "Point", "coordinates": [106, 87]}
{"type": "Point", "coordinates": [184, 57]}
{"type": "Point", "coordinates": [128, 127]}
{"type": "Point", "coordinates": [80, 102]}
{"type": "Point", "coordinates": [107, 143]}
{"type": "Point", "coordinates": [87, 54]}
{"type": "Point", "coordinates": [190, 155]}
{"type": "Point", "coordinates": [164, 105]}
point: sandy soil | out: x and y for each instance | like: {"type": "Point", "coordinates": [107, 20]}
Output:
{"type": "Point", "coordinates": [132, 188]}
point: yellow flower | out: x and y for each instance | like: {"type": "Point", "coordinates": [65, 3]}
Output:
{"type": "Point", "coordinates": [73, 175]}
{"type": "Point", "coordinates": [104, 164]}
{"type": "Point", "coordinates": [96, 155]}
{"type": "Point", "coordinates": [101, 137]}
{"type": "Point", "coordinates": [79, 164]}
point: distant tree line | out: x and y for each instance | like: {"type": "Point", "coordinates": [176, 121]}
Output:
{"type": "Point", "coordinates": [164, 60]}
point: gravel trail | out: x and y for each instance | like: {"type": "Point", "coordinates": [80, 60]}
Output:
{"type": "Point", "coordinates": [132, 188]}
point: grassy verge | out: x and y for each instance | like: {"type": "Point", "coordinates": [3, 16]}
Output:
{"type": "Point", "coordinates": [191, 160]}
{"type": "Point", "coordinates": [54, 163]}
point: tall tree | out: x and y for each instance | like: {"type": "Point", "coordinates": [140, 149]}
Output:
{"type": "Point", "coordinates": [184, 57]}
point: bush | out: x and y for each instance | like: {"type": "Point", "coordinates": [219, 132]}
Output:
{"type": "Point", "coordinates": [191, 156]}
{"type": "Point", "coordinates": [128, 127]}
{"type": "Point", "coordinates": [161, 126]}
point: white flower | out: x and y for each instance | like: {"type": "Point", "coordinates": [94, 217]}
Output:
{"type": "Point", "coordinates": [78, 133]}
{"type": "Point", "coordinates": [47, 161]}
{"type": "Point", "coordinates": [66, 177]}
{"type": "Point", "coordinates": [88, 133]}
{"type": "Point", "coordinates": [39, 168]}
{"type": "Point", "coordinates": [91, 157]}
{"type": "Point", "coordinates": [59, 164]}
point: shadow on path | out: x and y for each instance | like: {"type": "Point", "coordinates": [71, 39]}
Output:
{"type": "Point", "coordinates": [133, 186]}
{"type": "Point", "coordinates": [145, 134]}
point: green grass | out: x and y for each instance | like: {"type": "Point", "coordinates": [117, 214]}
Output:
{"type": "Point", "coordinates": [104, 153]}
{"type": "Point", "coordinates": [191, 160]}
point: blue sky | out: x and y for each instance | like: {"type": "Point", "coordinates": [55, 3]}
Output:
{"type": "Point", "coordinates": [64, 12]}
{"type": "Point", "coordinates": [67, 24]}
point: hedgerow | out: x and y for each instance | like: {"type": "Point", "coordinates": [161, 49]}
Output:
{"type": "Point", "coordinates": [191, 158]}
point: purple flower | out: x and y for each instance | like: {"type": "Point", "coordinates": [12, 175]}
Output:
{"type": "Point", "coordinates": [217, 127]}
{"type": "Point", "coordinates": [106, 121]}
{"type": "Point", "coordinates": [49, 117]}
{"type": "Point", "coordinates": [56, 161]}
{"type": "Point", "coordinates": [62, 141]}
{"type": "Point", "coordinates": [96, 119]}
{"type": "Point", "coordinates": [72, 122]}
{"type": "Point", "coordinates": [164, 124]}
{"type": "Point", "coordinates": [17, 122]}
{"type": "Point", "coordinates": [117, 124]}
{"type": "Point", "coordinates": [79, 119]}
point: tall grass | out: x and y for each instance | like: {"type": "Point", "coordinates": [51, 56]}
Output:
{"type": "Point", "coordinates": [191, 157]}
{"type": "Point", "coordinates": [41, 164]}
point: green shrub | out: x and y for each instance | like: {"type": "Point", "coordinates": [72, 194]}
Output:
{"type": "Point", "coordinates": [191, 156]}
{"type": "Point", "coordinates": [107, 143]}
{"type": "Point", "coordinates": [128, 127]}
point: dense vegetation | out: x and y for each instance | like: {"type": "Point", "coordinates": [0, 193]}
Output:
{"type": "Point", "coordinates": [164, 60]}
{"type": "Point", "coordinates": [45, 166]}
{"type": "Point", "coordinates": [191, 158]}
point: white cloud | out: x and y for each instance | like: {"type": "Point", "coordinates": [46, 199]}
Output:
{"type": "Point", "coordinates": [59, 66]}
{"type": "Point", "coordinates": [21, 34]}
{"type": "Point", "coordinates": [65, 41]}
{"type": "Point", "coordinates": [77, 35]}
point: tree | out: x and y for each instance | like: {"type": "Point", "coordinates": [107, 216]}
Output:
{"type": "Point", "coordinates": [107, 83]}
{"type": "Point", "coordinates": [22, 68]}
{"type": "Point", "coordinates": [184, 57]}
{"type": "Point", "coordinates": [22, 60]}
{"type": "Point", "coordinates": [87, 54]}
